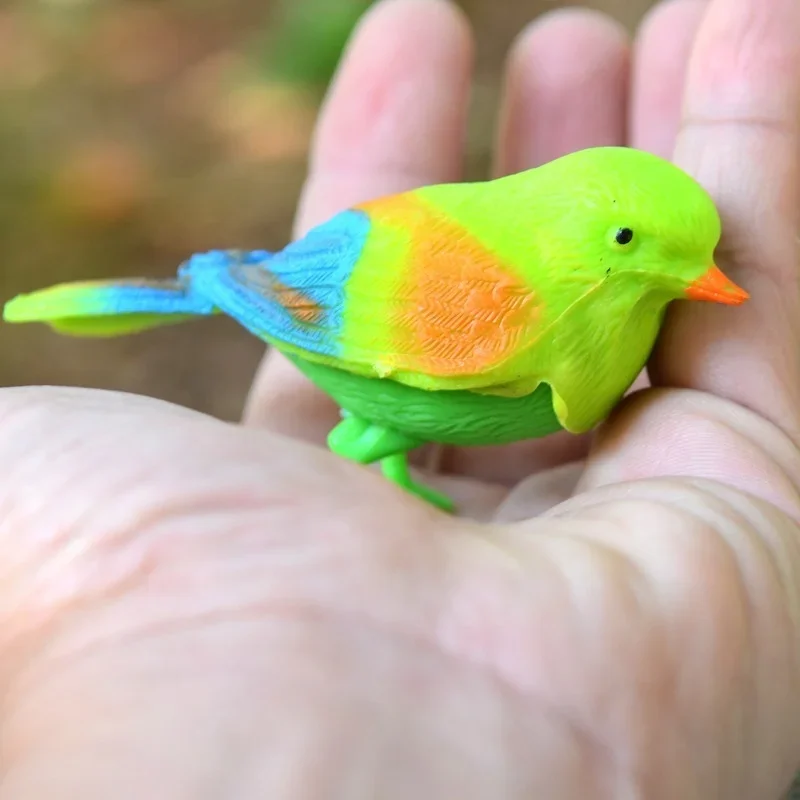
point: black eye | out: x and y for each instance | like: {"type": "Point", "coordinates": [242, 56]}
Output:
{"type": "Point", "coordinates": [624, 236]}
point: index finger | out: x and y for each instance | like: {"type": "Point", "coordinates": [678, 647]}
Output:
{"type": "Point", "coordinates": [394, 120]}
{"type": "Point", "coordinates": [740, 137]}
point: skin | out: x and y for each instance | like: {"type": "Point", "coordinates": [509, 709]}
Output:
{"type": "Point", "coordinates": [190, 609]}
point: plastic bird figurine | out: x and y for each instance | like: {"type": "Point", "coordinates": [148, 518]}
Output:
{"type": "Point", "coordinates": [460, 314]}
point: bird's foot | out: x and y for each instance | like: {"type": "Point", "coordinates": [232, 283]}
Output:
{"type": "Point", "coordinates": [395, 468]}
{"type": "Point", "coordinates": [361, 441]}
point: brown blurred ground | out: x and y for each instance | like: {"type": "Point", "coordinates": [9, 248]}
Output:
{"type": "Point", "coordinates": [133, 134]}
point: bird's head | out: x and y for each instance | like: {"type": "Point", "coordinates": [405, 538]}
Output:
{"type": "Point", "coordinates": [623, 212]}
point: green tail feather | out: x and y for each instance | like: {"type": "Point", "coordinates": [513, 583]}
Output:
{"type": "Point", "coordinates": [108, 308]}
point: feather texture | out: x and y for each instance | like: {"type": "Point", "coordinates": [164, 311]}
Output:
{"type": "Point", "coordinates": [295, 298]}
{"type": "Point", "coordinates": [391, 288]}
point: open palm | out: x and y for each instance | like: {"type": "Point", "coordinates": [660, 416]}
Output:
{"type": "Point", "coordinates": [232, 611]}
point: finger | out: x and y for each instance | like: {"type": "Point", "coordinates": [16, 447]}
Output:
{"type": "Point", "coordinates": [686, 433]}
{"type": "Point", "coordinates": [539, 493]}
{"type": "Point", "coordinates": [566, 89]}
{"type": "Point", "coordinates": [740, 137]}
{"type": "Point", "coordinates": [661, 433]}
{"type": "Point", "coordinates": [394, 120]}
{"type": "Point", "coordinates": [566, 86]}
{"type": "Point", "coordinates": [661, 55]}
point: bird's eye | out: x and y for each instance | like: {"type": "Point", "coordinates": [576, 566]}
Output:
{"type": "Point", "coordinates": [624, 236]}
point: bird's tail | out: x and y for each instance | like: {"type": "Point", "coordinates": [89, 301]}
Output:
{"type": "Point", "coordinates": [110, 308]}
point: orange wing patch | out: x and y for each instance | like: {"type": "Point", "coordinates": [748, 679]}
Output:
{"type": "Point", "coordinates": [465, 312]}
{"type": "Point", "coordinates": [302, 308]}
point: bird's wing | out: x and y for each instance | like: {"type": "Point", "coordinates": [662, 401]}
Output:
{"type": "Point", "coordinates": [393, 288]}
{"type": "Point", "coordinates": [295, 298]}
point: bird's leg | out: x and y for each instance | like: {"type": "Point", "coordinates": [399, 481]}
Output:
{"type": "Point", "coordinates": [362, 441]}
{"type": "Point", "coordinates": [365, 443]}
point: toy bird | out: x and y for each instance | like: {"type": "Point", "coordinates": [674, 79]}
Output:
{"type": "Point", "coordinates": [460, 314]}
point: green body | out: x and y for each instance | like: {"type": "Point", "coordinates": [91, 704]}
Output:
{"type": "Point", "coordinates": [384, 419]}
{"type": "Point", "coordinates": [456, 418]}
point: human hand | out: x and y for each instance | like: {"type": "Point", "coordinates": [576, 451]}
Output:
{"type": "Point", "coordinates": [192, 609]}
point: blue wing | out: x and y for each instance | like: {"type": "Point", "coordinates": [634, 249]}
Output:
{"type": "Point", "coordinates": [295, 297]}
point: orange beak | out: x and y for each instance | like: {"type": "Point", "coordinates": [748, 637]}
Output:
{"type": "Point", "coordinates": [715, 287]}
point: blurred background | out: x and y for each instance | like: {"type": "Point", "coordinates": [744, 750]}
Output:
{"type": "Point", "coordinates": [134, 133]}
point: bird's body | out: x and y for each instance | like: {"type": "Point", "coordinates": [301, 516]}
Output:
{"type": "Point", "coordinates": [463, 314]}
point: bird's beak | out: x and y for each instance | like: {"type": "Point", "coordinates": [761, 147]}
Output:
{"type": "Point", "coordinates": [714, 287]}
